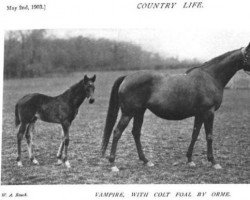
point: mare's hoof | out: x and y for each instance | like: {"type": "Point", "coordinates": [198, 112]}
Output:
{"type": "Point", "coordinates": [150, 164]}
{"type": "Point", "coordinates": [67, 164]}
{"type": "Point", "coordinates": [59, 162]}
{"type": "Point", "coordinates": [19, 164]}
{"type": "Point", "coordinates": [217, 166]}
{"type": "Point", "coordinates": [35, 162]}
{"type": "Point", "coordinates": [114, 169]}
{"type": "Point", "coordinates": [191, 164]}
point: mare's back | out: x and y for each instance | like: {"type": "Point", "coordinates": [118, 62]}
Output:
{"type": "Point", "coordinates": [140, 80]}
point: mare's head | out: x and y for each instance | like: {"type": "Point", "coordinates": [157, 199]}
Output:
{"type": "Point", "coordinates": [89, 87]}
{"type": "Point", "coordinates": [246, 57]}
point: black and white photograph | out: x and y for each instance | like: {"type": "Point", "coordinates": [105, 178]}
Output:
{"type": "Point", "coordinates": [125, 100]}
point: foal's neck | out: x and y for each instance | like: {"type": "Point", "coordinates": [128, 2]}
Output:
{"type": "Point", "coordinates": [224, 67]}
{"type": "Point", "coordinates": [74, 96]}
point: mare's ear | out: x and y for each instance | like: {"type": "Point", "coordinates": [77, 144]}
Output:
{"type": "Point", "coordinates": [93, 78]}
{"type": "Point", "coordinates": [85, 79]}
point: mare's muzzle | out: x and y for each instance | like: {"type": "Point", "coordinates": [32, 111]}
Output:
{"type": "Point", "coordinates": [247, 72]}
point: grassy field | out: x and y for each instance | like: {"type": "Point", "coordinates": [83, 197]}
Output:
{"type": "Point", "coordinates": [164, 142]}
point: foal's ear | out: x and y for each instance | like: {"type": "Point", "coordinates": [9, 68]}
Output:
{"type": "Point", "coordinates": [85, 79]}
{"type": "Point", "coordinates": [93, 78]}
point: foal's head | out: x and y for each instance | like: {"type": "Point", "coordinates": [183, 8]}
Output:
{"type": "Point", "coordinates": [89, 87]}
{"type": "Point", "coordinates": [246, 55]}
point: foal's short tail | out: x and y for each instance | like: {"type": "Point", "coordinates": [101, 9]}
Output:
{"type": "Point", "coordinates": [17, 120]}
{"type": "Point", "coordinates": [112, 113]}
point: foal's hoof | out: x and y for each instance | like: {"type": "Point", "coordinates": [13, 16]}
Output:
{"type": "Point", "coordinates": [150, 164]}
{"type": "Point", "coordinates": [114, 169]}
{"type": "Point", "coordinates": [35, 162]}
{"type": "Point", "coordinates": [59, 162]}
{"type": "Point", "coordinates": [67, 164]}
{"type": "Point", "coordinates": [217, 166]}
{"type": "Point", "coordinates": [191, 164]}
{"type": "Point", "coordinates": [19, 164]}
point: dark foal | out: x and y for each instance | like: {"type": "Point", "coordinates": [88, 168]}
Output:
{"type": "Point", "coordinates": [60, 109]}
{"type": "Point", "coordinates": [196, 93]}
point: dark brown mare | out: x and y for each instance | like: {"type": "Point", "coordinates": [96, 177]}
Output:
{"type": "Point", "coordinates": [60, 109]}
{"type": "Point", "coordinates": [196, 93]}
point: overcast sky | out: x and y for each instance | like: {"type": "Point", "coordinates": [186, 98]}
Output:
{"type": "Point", "coordinates": [189, 43]}
{"type": "Point", "coordinates": [220, 26]}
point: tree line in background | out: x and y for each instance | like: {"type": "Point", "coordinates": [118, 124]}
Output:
{"type": "Point", "coordinates": [33, 53]}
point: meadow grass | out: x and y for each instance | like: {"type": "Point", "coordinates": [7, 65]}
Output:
{"type": "Point", "coordinates": [164, 142]}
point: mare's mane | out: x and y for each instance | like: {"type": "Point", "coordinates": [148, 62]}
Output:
{"type": "Point", "coordinates": [213, 61]}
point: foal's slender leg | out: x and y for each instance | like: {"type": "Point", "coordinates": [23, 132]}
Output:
{"type": "Point", "coordinates": [65, 127]}
{"type": "Point", "coordinates": [122, 124]}
{"type": "Point", "coordinates": [136, 131]}
{"type": "Point", "coordinates": [60, 150]}
{"type": "Point", "coordinates": [20, 134]}
{"type": "Point", "coordinates": [208, 123]}
{"type": "Point", "coordinates": [196, 130]}
{"type": "Point", "coordinates": [29, 138]}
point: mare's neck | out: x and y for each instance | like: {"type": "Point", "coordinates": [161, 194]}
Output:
{"type": "Point", "coordinates": [223, 68]}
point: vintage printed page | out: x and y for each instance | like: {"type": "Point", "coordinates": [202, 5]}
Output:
{"type": "Point", "coordinates": [125, 99]}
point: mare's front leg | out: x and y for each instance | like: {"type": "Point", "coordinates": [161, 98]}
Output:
{"type": "Point", "coordinates": [208, 123]}
{"type": "Point", "coordinates": [196, 130]}
{"type": "Point", "coordinates": [122, 124]}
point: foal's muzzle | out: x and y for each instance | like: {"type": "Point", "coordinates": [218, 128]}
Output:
{"type": "Point", "coordinates": [91, 96]}
{"type": "Point", "coordinates": [91, 100]}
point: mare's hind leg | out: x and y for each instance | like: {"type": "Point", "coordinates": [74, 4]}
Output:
{"type": "Point", "coordinates": [198, 121]}
{"type": "Point", "coordinates": [122, 124]}
{"type": "Point", "coordinates": [29, 138]}
{"type": "Point", "coordinates": [20, 134]}
{"type": "Point", "coordinates": [136, 131]}
{"type": "Point", "coordinates": [208, 123]}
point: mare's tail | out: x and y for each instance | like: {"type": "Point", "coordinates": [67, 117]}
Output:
{"type": "Point", "coordinates": [112, 113]}
{"type": "Point", "coordinates": [17, 120]}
